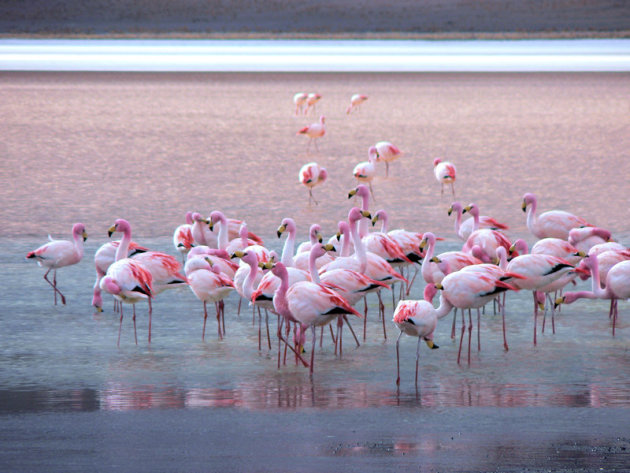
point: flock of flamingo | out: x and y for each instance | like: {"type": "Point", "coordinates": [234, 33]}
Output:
{"type": "Point", "coordinates": [318, 284]}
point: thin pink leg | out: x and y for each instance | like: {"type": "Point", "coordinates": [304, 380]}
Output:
{"type": "Point", "coordinates": [267, 325]}
{"type": "Point", "coordinates": [398, 359]}
{"type": "Point", "coordinates": [313, 352]}
{"type": "Point", "coordinates": [365, 311]}
{"type": "Point", "coordinates": [470, 327]}
{"type": "Point", "coordinates": [417, 359]}
{"type": "Point", "coordinates": [205, 318]}
{"type": "Point", "coordinates": [345, 318]}
{"type": "Point", "coordinates": [381, 308]}
{"type": "Point", "coordinates": [535, 317]}
{"type": "Point", "coordinates": [478, 331]}
{"type": "Point", "coordinates": [54, 286]}
{"type": "Point", "coordinates": [150, 314]}
{"type": "Point", "coordinates": [120, 326]}
{"type": "Point", "coordinates": [135, 333]}
{"type": "Point", "coordinates": [461, 337]}
{"type": "Point", "coordinates": [454, 323]}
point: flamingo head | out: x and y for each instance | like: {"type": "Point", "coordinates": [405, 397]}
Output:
{"type": "Point", "coordinates": [517, 248]}
{"type": "Point", "coordinates": [455, 207]}
{"type": "Point", "coordinates": [248, 257]}
{"type": "Point", "coordinates": [121, 225]}
{"type": "Point", "coordinates": [427, 239]}
{"type": "Point", "coordinates": [436, 161]}
{"type": "Point", "coordinates": [373, 154]}
{"type": "Point", "coordinates": [320, 249]}
{"type": "Point", "coordinates": [314, 233]}
{"type": "Point", "coordinates": [323, 175]}
{"type": "Point", "coordinates": [78, 229]}
{"type": "Point", "coordinates": [280, 270]}
{"type": "Point", "coordinates": [217, 216]}
{"type": "Point", "coordinates": [196, 216]}
{"type": "Point", "coordinates": [528, 199]}
{"type": "Point", "coordinates": [189, 219]}
{"type": "Point", "coordinates": [472, 209]}
{"type": "Point", "coordinates": [287, 224]}
{"type": "Point", "coordinates": [379, 215]}
{"type": "Point", "coordinates": [357, 214]}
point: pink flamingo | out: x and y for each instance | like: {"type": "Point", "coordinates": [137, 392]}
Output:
{"type": "Point", "coordinates": [182, 236]}
{"type": "Point", "coordinates": [362, 192]}
{"type": "Point", "coordinates": [309, 304]}
{"type": "Point", "coordinates": [539, 272]}
{"type": "Point", "coordinates": [59, 253]}
{"type": "Point", "coordinates": [209, 285]}
{"type": "Point", "coordinates": [311, 101]}
{"type": "Point", "coordinates": [219, 258]}
{"type": "Point", "coordinates": [242, 242]}
{"type": "Point", "coordinates": [487, 241]}
{"type": "Point", "coordinates": [299, 100]}
{"type": "Point", "coordinates": [617, 286]}
{"type": "Point", "coordinates": [355, 101]}
{"type": "Point", "coordinates": [366, 170]}
{"type": "Point", "coordinates": [470, 290]}
{"type": "Point", "coordinates": [314, 237]}
{"type": "Point", "coordinates": [103, 258]}
{"type": "Point", "coordinates": [164, 269]}
{"type": "Point", "coordinates": [555, 223]}
{"type": "Point", "coordinates": [445, 173]}
{"type": "Point", "coordinates": [311, 175]}
{"type": "Point", "coordinates": [463, 230]}
{"type": "Point", "coordinates": [387, 152]}
{"type": "Point", "coordinates": [418, 319]}
{"type": "Point", "coordinates": [299, 260]}
{"type": "Point", "coordinates": [341, 240]}
{"type": "Point", "coordinates": [201, 232]}
{"type": "Point", "coordinates": [608, 246]}
{"type": "Point", "coordinates": [585, 238]}
{"type": "Point", "coordinates": [314, 131]}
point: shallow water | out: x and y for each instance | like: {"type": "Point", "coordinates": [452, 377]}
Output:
{"type": "Point", "coordinates": [149, 147]}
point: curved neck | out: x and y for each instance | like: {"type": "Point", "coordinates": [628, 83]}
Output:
{"type": "Point", "coordinates": [363, 223]}
{"type": "Point", "coordinates": [345, 244]}
{"type": "Point", "coordinates": [280, 297]}
{"type": "Point", "coordinates": [531, 215]}
{"type": "Point", "coordinates": [458, 223]}
{"type": "Point", "coordinates": [596, 284]}
{"type": "Point", "coordinates": [475, 216]}
{"type": "Point", "coordinates": [444, 308]}
{"type": "Point", "coordinates": [78, 244]}
{"type": "Point", "coordinates": [313, 236]}
{"type": "Point", "coordinates": [384, 218]}
{"type": "Point", "coordinates": [312, 267]}
{"type": "Point", "coordinates": [123, 247]}
{"type": "Point", "coordinates": [189, 219]}
{"type": "Point", "coordinates": [222, 242]}
{"type": "Point", "coordinates": [198, 233]}
{"type": "Point", "coordinates": [359, 249]}
{"type": "Point", "coordinates": [248, 285]}
{"type": "Point", "coordinates": [289, 248]}
{"type": "Point", "coordinates": [426, 261]}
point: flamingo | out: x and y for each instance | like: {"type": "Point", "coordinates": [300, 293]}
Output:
{"type": "Point", "coordinates": [299, 100]}
{"type": "Point", "coordinates": [209, 285]}
{"type": "Point", "coordinates": [617, 286]}
{"type": "Point", "coordinates": [309, 304]}
{"type": "Point", "coordinates": [539, 272]}
{"type": "Point", "coordinates": [311, 175]}
{"type": "Point", "coordinates": [363, 192]}
{"type": "Point", "coordinates": [445, 173]}
{"type": "Point", "coordinates": [242, 242]}
{"type": "Point", "coordinates": [182, 236]}
{"type": "Point", "coordinates": [585, 238]}
{"type": "Point", "coordinates": [311, 101]}
{"type": "Point", "coordinates": [608, 246]}
{"type": "Point", "coordinates": [59, 253]}
{"type": "Point", "coordinates": [366, 170]}
{"type": "Point", "coordinates": [355, 101]}
{"type": "Point", "coordinates": [387, 152]}
{"type": "Point", "coordinates": [470, 290]}
{"type": "Point", "coordinates": [341, 240]}
{"type": "Point", "coordinates": [201, 232]}
{"type": "Point", "coordinates": [314, 236]}
{"type": "Point", "coordinates": [434, 271]}
{"type": "Point", "coordinates": [487, 241]}
{"type": "Point", "coordinates": [418, 319]}
{"type": "Point", "coordinates": [103, 258]}
{"type": "Point", "coordinates": [219, 258]}
{"type": "Point", "coordinates": [164, 269]}
{"type": "Point", "coordinates": [605, 261]}
{"type": "Point", "coordinates": [554, 223]}
{"type": "Point", "coordinates": [463, 230]}
{"type": "Point", "coordinates": [314, 131]}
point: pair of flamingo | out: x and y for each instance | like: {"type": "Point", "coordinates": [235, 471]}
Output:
{"type": "Point", "coordinates": [305, 101]}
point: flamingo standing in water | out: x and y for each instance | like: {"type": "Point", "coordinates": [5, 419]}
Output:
{"type": "Point", "coordinates": [311, 175]}
{"type": "Point", "coordinates": [355, 101]}
{"type": "Point", "coordinates": [209, 285]}
{"type": "Point", "coordinates": [366, 170]}
{"type": "Point", "coordinates": [554, 223]}
{"type": "Point", "coordinates": [617, 286]}
{"type": "Point", "coordinates": [418, 319]}
{"type": "Point", "coordinates": [387, 152]}
{"type": "Point", "coordinates": [445, 173]}
{"type": "Point", "coordinates": [314, 131]}
{"type": "Point", "coordinates": [463, 230]}
{"type": "Point", "coordinates": [299, 100]}
{"type": "Point", "coordinates": [59, 253]}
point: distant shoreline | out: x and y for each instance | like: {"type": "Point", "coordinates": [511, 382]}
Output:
{"type": "Point", "coordinates": [338, 36]}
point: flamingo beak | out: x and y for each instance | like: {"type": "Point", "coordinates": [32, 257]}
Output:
{"type": "Point", "coordinates": [329, 247]}
{"type": "Point", "coordinates": [111, 231]}
{"type": "Point", "coordinates": [450, 211]}
{"type": "Point", "coordinates": [431, 345]}
{"type": "Point", "coordinates": [84, 235]}
{"type": "Point", "coordinates": [366, 214]}
{"type": "Point", "coordinates": [541, 306]}
{"type": "Point", "coordinates": [374, 220]}
{"type": "Point", "coordinates": [319, 237]}
{"type": "Point", "coordinates": [352, 193]}
{"type": "Point", "coordinates": [209, 261]}
{"type": "Point", "coordinates": [423, 244]}
{"type": "Point", "coordinates": [237, 254]}
{"type": "Point", "coordinates": [435, 259]}
{"type": "Point", "coordinates": [281, 230]}
{"type": "Point", "coordinates": [580, 254]}
{"type": "Point", "coordinates": [338, 236]}
{"type": "Point", "coordinates": [559, 300]}
{"type": "Point", "coordinates": [466, 209]}
{"type": "Point", "coordinates": [439, 286]}
{"type": "Point", "coordinates": [99, 309]}
{"type": "Point", "coordinates": [267, 265]}
{"type": "Point", "coordinates": [524, 206]}
{"type": "Point", "coordinates": [211, 225]}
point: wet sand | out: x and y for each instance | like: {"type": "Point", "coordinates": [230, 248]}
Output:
{"type": "Point", "coordinates": [149, 147]}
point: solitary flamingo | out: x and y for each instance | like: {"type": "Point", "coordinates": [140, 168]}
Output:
{"type": "Point", "coordinates": [554, 223]}
{"type": "Point", "coordinates": [59, 253]}
{"type": "Point", "coordinates": [299, 100]}
{"type": "Point", "coordinates": [311, 175]}
{"type": "Point", "coordinates": [445, 173]}
{"type": "Point", "coordinates": [418, 319]}
{"type": "Point", "coordinates": [355, 101]}
{"type": "Point", "coordinates": [314, 131]}
{"type": "Point", "coordinates": [366, 170]}
{"type": "Point", "coordinates": [387, 152]}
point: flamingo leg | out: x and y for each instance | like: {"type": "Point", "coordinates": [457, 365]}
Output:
{"type": "Point", "coordinates": [386, 169]}
{"type": "Point", "coordinates": [461, 337]}
{"type": "Point", "coordinates": [453, 188]}
{"type": "Point", "coordinates": [222, 308]}
{"type": "Point", "coordinates": [205, 317]}
{"type": "Point", "coordinates": [535, 316]}
{"type": "Point", "coordinates": [352, 330]}
{"type": "Point", "coordinates": [321, 340]}
{"type": "Point", "coordinates": [505, 343]}
{"type": "Point", "coordinates": [259, 330]}
{"type": "Point", "coordinates": [372, 191]}
{"type": "Point", "coordinates": [310, 370]}
{"type": "Point", "coordinates": [454, 323]}
{"type": "Point", "coordinates": [135, 333]}
{"type": "Point", "coordinates": [365, 317]}
{"type": "Point", "coordinates": [54, 286]}
{"type": "Point", "coordinates": [417, 359]}
{"type": "Point", "coordinates": [238, 310]}
{"type": "Point", "coordinates": [150, 314]}
{"type": "Point", "coordinates": [478, 331]}
{"type": "Point", "coordinates": [120, 326]}
{"type": "Point", "coordinates": [398, 359]}
{"type": "Point", "coordinates": [267, 325]}
{"type": "Point", "coordinates": [412, 280]}
{"type": "Point", "coordinates": [614, 318]}
{"type": "Point", "coordinates": [340, 336]}
{"type": "Point", "coordinates": [470, 327]}
{"type": "Point", "coordinates": [381, 308]}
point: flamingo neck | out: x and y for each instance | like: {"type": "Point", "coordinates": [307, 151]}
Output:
{"type": "Point", "coordinates": [359, 249]}
{"type": "Point", "coordinates": [123, 247]}
{"type": "Point", "coordinates": [78, 244]}
{"type": "Point", "coordinates": [345, 244]}
{"type": "Point", "coordinates": [596, 284]}
{"type": "Point", "coordinates": [531, 216]}
{"type": "Point", "coordinates": [223, 232]}
{"type": "Point", "coordinates": [458, 224]}
{"type": "Point", "coordinates": [289, 248]}
{"type": "Point", "coordinates": [363, 223]}
{"type": "Point", "coordinates": [313, 236]}
{"type": "Point", "coordinates": [444, 308]}
{"type": "Point", "coordinates": [385, 221]}
{"type": "Point", "coordinates": [198, 233]}
{"type": "Point", "coordinates": [426, 261]}
{"type": "Point", "coordinates": [475, 216]}
{"type": "Point", "coordinates": [280, 302]}
{"type": "Point", "coordinates": [189, 219]}
{"type": "Point", "coordinates": [312, 267]}
{"type": "Point", "coordinates": [248, 286]}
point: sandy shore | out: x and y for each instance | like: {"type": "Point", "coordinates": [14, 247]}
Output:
{"type": "Point", "coordinates": [250, 18]}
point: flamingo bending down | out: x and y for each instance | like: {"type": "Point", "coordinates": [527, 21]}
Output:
{"type": "Point", "coordinates": [103, 258]}
{"type": "Point", "coordinates": [617, 286]}
{"type": "Point", "coordinates": [554, 223]}
{"type": "Point", "coordinates": [182, 236]}
{"type": "Point", "coordinates": [355, 101]}
{"type": "Point", "coordinates": [387, 152]}
{"type": "Point", "coordinates": [587, 237]}
{"type": "Point", "coordinates": [311, 175]}
{"type": "Point", "coordinates": [463, 230]}
{"type": "Point", "coordinates": [418, 319]}
{"type": "Point", "coordinates": [311, 101]}
{"type": "Point", "coordinates": [209, 285]}
{"type": "Point", "coordinates": [314, 131]}
{"type": "Point", "coordinates": [366, 170]}
{"type": "Point", "coordinates": [299, 100]}
{"type": "Point", "coordinates": [309, 304]}
{"type": "Point", "coordinates": [59, 253]}
{"type": "Point", "coordinates": [487, 241]}
{"type": "Point", "coordinates": [445, 173]}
